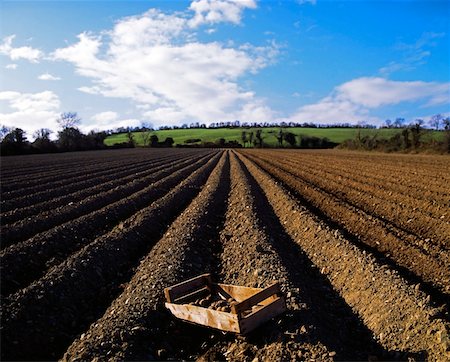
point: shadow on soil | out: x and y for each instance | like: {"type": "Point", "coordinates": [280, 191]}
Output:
{"type": "Point", "coordinates": [438, 298]}
{"type": "Point", "coordinates": [327, 318]}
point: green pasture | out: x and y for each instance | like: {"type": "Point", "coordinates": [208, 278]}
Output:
{"type": "Point", "coordinates": [336, 135]}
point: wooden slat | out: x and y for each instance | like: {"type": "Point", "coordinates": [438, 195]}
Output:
{"type": "Point", "coordinates": [206, 317]}
{"type": "Point", "coordinates": [256, 298]}
{"type": "Point", "coordinates": [198, 293]}
{"type": "Point", "coordinates": [261, 316]}
{"type": "Point", "coordinates": [239, 293]}
{"type": "Point", "coordinates": [186, 287]}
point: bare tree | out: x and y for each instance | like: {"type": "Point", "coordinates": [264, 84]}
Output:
{"type": "Point", "coordinates": [145, 135]}
{"type": "Point", "coordinates": [244, 138]}
{"type": "Point", "coordinates": [399, 122]}
{"type": "Point", "coordinates": [436, 121]}
{"type": "Point", "coordinates": [416, 132]}
{"type": "Point", "coordinates": [279, 137]}
{"type": "Point", "coordinates": [251, 138]}
{"type": "Point", "coordinates": [4, 130]}
{"type": "Point", "coordinates": [68, 120]}
{"type": "Point", "coordinates": [43, 134]}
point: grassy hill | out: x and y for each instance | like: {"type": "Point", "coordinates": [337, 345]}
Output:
{"type": "Point", "coordinates": [336, 135]}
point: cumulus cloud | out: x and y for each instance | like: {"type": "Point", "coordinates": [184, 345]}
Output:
{"type": "Point", "coordinates": [30, 111]}
{"type": "Point", "coordinates": [105, 117]}
{"type": "Point", "coordinates": [28, 53]}
{"type": "Point", "coordinates": [108, 120]}
{"type": "Point", "coordinates": [11, 66]}
{"type": "Point", "coordinates": [353, 100]}
{"type": "Point", "coordinates": [155, 60]}
{"type": "Point", "coordinates": [217, 11]}
{"type": "Point", "coordinates": [48, 76]}
{"type": "Point", "coordinates": [373, 92]}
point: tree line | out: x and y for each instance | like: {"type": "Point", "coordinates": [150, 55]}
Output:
{"type": "Point", "coordinates": [408, 138]}
{"type": "Point", "coordinates": [69, 138]}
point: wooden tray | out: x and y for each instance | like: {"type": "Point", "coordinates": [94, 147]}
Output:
{"type": "Point", "coordinates": [253, 306]}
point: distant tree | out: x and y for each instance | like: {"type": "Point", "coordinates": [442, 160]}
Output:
{"type": "Point", "coordinates": [42, 141]}
{"type": "Point", "coordinates": [416, 132]}
{"type": "Point", "coordinates": [14, 142]}
{"type": "Point", "coordinates": [15, 135]}
{"type": "Point", "coordinates": [146, 126]}
{"type": "Point", "coordinates": [399, 122]}
{"type": "Point", "coordinates": [154, 141]}
{"type": "Point", "coordinates": [130, 138]}
{"type": "Point", "coordinates": [145, 135]}
{"type": "Point", "coordinates": [68, 120]}
{"type": "Point", "coordinates": [244, 138]}
{"type": "Point", "coordinates": [446, 123]}
{"type": "Point", "coordinates": [4, 130]}
{"type": "Point", "coordinates": [221, 142]}
{"type": "Point", "coordinates": [406, 142]}
{"type": "Point", "coordinates": [70, 139]}
{"type": "Point", "coordinates": [251, 138]}
{"type": "Point", "coordinates": [95, 140]}
{"type": "Point", "coordinates": [289, 137]}
{"type": "Point", "coordinates": [279, 137]}
{"type": "Point", "coordinates": [168, 142]}
{"type": "Point", "coordinates": [436, 121]}
{"type": "Point", "coordinates": [388, 123]}
{"type": "Point", "coordinates": [259, 138]}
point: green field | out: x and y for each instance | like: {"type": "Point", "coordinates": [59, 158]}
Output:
{"type": "Point", "coordinates": [336, 135]}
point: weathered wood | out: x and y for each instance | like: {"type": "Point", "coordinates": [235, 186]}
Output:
{"type": "Point", "coordinates": [254, 299]}
{"type": "Point", "coordinates": [262, 315]}
{"type": "Point", "coordinates": [206, 317]}
{"type": "Point", "coordinates": [175, 291]}
{"type": "Point", "coordinates": [260, 304]}
{"type": "Point", "coordinates": [239, 293]}
{"type": "Point", "coordinates": [198, 293]}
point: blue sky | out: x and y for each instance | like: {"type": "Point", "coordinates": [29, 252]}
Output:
{"type": "Point", "coordinates": [169, 62]}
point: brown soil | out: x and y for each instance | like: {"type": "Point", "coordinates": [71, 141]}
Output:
{"type": "Point", "coordinates": [357, 241]}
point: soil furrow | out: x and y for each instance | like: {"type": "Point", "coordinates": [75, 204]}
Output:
{"type": "Point", "coordinates": [26, 228]}
{"type": "Point", "coordinates": [24, 186]}
{"type": "Point", "coordinates": [48, 192]}
{"type": "Point", "coordinates": [77, 292]}
{"type": "Point", "coordinates": [399, 315]}
{"type": "Point", "coordinates": [380, 179]}
{"type": "Point", "coordinates": [343, 178]}
{"type": "Point", "coordinates": [64, 169]}
{"type": "Point", "coordinates": [255, 255]}
{"type": "Point", "coordinates": [369, 169]}
{"type": "Point", "coordinates": [83, 192]}
{"type": "Point", "coordinates": [136, 326]}
{"type": "Point", "coordinates": [368, 229]}
{"type": "Point", "coordinates": [50, 248]}
{"type": "Point", "coordinates": [427, 234]}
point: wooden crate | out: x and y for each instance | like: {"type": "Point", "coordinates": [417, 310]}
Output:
{"type": "Point", "coordinates": [253, 306]}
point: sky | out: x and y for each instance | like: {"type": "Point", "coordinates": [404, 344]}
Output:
{"type": "Point", "coordinates": [122, 63]}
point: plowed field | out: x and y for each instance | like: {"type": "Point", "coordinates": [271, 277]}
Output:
{"type": "Point", "coordinates": [359, 242]}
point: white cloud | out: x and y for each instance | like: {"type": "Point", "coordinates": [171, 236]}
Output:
{"type": "Point", "coordinates": [48, 76]}
{"type": "Point", "coordinates": [11, 66]}
{"type": "Point", "coordinates": [154, 60]}
{"type": "Point", "coordinates": [104, 125]}
{"type": "Point", "coordinates": [29, 111]}
{"type": "Point", "coordinates": [216, 11]}
{"type": "Point", "coordinates": [105, 117]}
{"type": "Point", "coordinates": [352, 101]}
{"type": "Point", "coordinates": [31, 54]}
{"type": "Point", "coordinates": [373, 92]}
